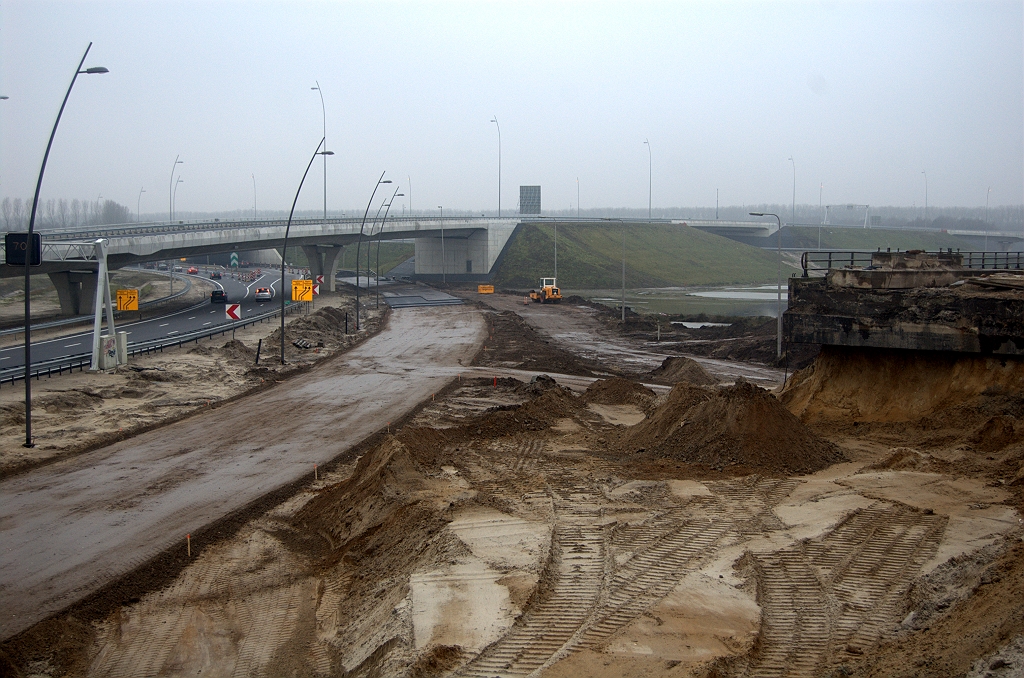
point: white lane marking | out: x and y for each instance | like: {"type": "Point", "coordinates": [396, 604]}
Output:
{"type": "Point", "coordinates": [6, 357]}
{"type": "Point", "coordinates": [172, 332]}
{"type": "Point", "coordinates": [209, 323]}
{"type": "Point", "coordinates": [70, 345]}
{"type": "Point", "coordinates": [192, 318]}
{"type": "Point", "coordinates": [165, 325]}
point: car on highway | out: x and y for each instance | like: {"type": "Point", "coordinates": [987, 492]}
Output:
{"type": "Point", "coordinates": [218, 297]}
{"type": "Point", "coordinates": [215, 275]}
{"type": "Point", "coordinates": [192, 270]}
{"type": "Point", "coordinates": [264, 294]}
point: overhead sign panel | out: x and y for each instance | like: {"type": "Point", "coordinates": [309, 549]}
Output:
{"type": "Point", "coordinates": [16, 244]}
{"type": "Point", "coordinates": [127, 300]}
{"type": "Point", "coordinates": [302, 290]}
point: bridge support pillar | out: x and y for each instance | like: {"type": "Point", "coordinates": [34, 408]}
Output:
{"type": "Point", "coordinates": [332, 256]}
{"type": "Point", "coordinates": [76, 291]}
{"type": "Point", "coordinates": [315, 259]}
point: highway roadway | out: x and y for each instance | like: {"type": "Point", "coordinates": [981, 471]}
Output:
{"type": "Point", "coordinates": [199, 317]}
{"type": "Point", "coordinates": [70, 527]}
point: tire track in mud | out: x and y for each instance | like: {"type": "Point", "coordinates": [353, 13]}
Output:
{"type": "Point", "coordinates": [842, 592]}
{"type": "Point", "coordinates": [593, 597]}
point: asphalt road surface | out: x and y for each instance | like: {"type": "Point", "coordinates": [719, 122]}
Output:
{"type": "Point", "coordinates": [193, 319]}
{"type": "Point", "coordinates": [68, 528]}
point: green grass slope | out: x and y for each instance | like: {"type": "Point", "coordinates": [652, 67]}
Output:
{"type": "Point", "coordinates": [657, 255]}
{"type": "Point", "coordinates": [868, 239]}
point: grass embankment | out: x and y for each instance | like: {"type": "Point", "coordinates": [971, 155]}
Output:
{"type": "Point", "coordinates": [657, 255]}
{"type": "Point", "coordinates": [870, 239]}
{"type": "Point", "coordinates": [391, 255]}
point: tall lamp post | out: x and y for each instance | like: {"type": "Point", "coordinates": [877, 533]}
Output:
{"type": "Point", "coordinates": [379, 233]}
{"type": "Point", "coordinates": [443, 267]}
{"type": "Point", "coordinates": [623, 265]}
{"type": "Point", "coordinates": [650, 182]}
{"type": "Point", "coordinates": [495, 121]}
{"type": "Point", "coordinates": [138, 205]}
{"type": "Point", "coordinates": [986, 216]}
{"type": "Point", "coordinates": [778, 308]}
{"type": "Point", "coordinates": [174, 197]}
{"type": "Point", "coordinates": [925, 194]}
{"type": "Point", "coordinates": [170, 189]}
{"type": "Point", "coordinates": [29, 248]}
{"type": "Point", "coordinates": [324, 152]}
{"type": "Point", "coordinates": [793, 218]}
{"type": "Point", "coordinates": [254, 197]}
{"type": "Point", "coordinates": [577, 198]}
{"type": "Point", "coordinates": [284, 249]}
{"type": "Point", "coordinates": [359, 242]}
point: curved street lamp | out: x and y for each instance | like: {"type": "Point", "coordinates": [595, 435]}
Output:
{"type": "Point", "coordinates": [359, 242]}
{"type": "Point", "coordinates": [174, 197]}
{"type": "Point", "coordinates": [650, 180]}
{"type": "Point", "coordinates": [494, 119]}
{"type": "Point", "coordinates": [284, 249]}
{"type": "Point", "coordinates": [28, 249]}
{"type": "Point", "coordinates": [794, 190]}
{"type": "Point", "coordinates": [170, 189]}
{"type": "Point", "coordinates": [379, 232]}
{"type": "Point", "coordinates": [138, 205]}
{"type": "Point", "coordinates": [325, 152]}
{"type": "Point", "coordinates": [778, 329]}
{"type": "Point", "coordinates": [444, 281]}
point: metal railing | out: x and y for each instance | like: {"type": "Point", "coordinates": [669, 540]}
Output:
{"type": "Point", "coordinates": [83, 361]}
{"type": "Point", "coordinates": [820, 263]}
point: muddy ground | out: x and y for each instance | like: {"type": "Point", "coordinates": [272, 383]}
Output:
{"type": "Point", "coordinates": [864, 522]}
{"type": "Point", "coordinates": [83, 411]}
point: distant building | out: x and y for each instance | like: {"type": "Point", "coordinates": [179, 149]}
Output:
{"type": "Point", "coordinates": [529, 199]}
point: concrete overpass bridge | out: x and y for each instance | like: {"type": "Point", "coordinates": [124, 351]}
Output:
{"type": "Point", "coordinates": [459, 248]}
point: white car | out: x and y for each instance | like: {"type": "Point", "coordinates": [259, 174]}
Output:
{"type": "Point", "coordinates": [264, 294]}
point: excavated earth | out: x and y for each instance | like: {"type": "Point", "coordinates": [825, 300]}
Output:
{"type": "Point", "coordinates": [865, 521]}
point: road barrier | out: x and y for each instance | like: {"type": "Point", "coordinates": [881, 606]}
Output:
{"type": "Point", "coordinates": [82, 362]}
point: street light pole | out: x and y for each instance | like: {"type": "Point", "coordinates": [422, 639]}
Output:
{"type": "Point", "coordinates": [495, 121]}
{"type": "Point", "coordinates": [359, 242]}
{"type": "Point", "coordinates": [577, 198]}
{"type": "Point", "coordinates": [174, 197]}
{"type": "Point", "coordinates": [29, 248]}
{"type": "Point", "coordinates": [650, 181]}
{"type": "Point", "coordinates": [284, 248]}
{"type": "Point", "coordinates": [170, 189]}
{"type": "Point", "coordinates": [138, 205]}
{"type": "Point", "coordinates": [254, 197]}
{"type": "Point", "coordinates": [793, 219]}
{"type": "Point", "coordinates": [925, 194]}
{"type": "Point", "coordinates": [410, 195]}
{"type": "Point", "coordinates": [379, 233]}
{"type": "Point", "coordinates": [444, 280]}
{"type": "Point", "coordinates": [324, 153]}
{"type": "Point", "coordinates": [778, 308]}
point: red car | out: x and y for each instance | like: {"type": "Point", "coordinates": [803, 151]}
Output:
{"type": "Point", "coordinates": [192, 269]}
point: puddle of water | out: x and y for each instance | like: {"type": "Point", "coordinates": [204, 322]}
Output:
{"type": "Point", "coordinates": [735, 300]}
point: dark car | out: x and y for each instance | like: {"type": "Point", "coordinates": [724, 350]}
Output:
{"type": "Point", "coordinates": [215, 276]}
{"type": "Point", "coordinates": [218, 297]}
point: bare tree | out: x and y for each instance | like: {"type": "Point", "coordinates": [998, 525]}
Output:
{"type": "Point", "coordinates": [18, 214]}
{"type": "Point", "coordinates": [76, 212]}
{"type": "Point", "coordinates": [7, 211]}
{"type": "Point", "coordinates": [51, 213]}
{"type": "Point", "coordinates": [115, 213]}
{"type": "Point", "coordinates": [63, 212]}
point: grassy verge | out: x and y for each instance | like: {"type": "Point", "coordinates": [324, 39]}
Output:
{"type": "Point", "coordinates": [872, 238]}
{"type": "Point", "coordinates": [657, 255]}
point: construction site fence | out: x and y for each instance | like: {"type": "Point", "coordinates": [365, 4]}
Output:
{"type": "Point", "coordinates": [820, 263]}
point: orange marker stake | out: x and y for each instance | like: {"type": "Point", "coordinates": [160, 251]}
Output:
{"type": "Point", "coordinates": [188, 544]}
{"type": "Point", "coordinates": [315, 475]}
{"type": "Point", "coordinates": [495, 382]}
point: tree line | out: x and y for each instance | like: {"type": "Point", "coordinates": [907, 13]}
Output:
{"type": "Point", "coordinates": [61, 213]}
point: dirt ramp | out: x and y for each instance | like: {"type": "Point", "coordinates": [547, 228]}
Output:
{"type": "Point", "coordinates": [908, 459]}
{"type": "Point", "coordinates": [676, 369]}
{"type": "Point", "coordinates": [741, 424]}
{"type": "Point", "coordinates": [619, 391]}
{"type": "Point", "coordinates": [878, 385]}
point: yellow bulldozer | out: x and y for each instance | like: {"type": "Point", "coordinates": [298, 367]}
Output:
{"type": "Point", "coordinates": [548, 292]}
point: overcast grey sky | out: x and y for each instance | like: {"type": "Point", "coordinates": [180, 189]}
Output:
{"type": "Point", "coordinates": [863, 95]}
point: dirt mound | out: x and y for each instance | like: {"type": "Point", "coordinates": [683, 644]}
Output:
{"type": "Point", "coordinates": [909, 459]}
{"type": "Point", "coordinates": [997, 433]}
{"type": "Point", "coordinates": [236, 350]}
{"type": "Point", "coordinates": [513, 343]}
{"type": "Point", "coordinates": [619, 391]}
{"type": "Point", "coordinates": [877, 385]}
{"type": "Point", "coordinates": [68, 401]}
{"type": "Point", "coordinates": [740, 424]}
{"type": "Point", "coordinates": [675, 369]}
{"type": "Point", "coordinates": [536, 414]}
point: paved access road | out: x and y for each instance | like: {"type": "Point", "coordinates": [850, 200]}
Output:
{"type": "Point", "coordinates": [70, 527]}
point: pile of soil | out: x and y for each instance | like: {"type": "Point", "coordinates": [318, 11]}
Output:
{"type": "Point", "coordinates": [908, 459]}
{"type": "Point", "coordinates": [619, 391]}
{"type": "Point", "coordinates": [675, 369]}
{"type": "Point", "coordinates": [513, 343]}
{"type": "Point", "coordinates": [536, 414]}
{"type": "Point", "coordinates": [735, 425]}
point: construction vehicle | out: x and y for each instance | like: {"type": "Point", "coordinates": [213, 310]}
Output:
{"type": "Point", "coordinates": [548, 292]}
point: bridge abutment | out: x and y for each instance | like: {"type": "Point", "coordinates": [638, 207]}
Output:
{"type": "Point", "coordinates": [76, 291]}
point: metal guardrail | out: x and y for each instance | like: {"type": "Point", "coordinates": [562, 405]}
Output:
{"type": "Point", "coordinates": [82, 361]}
{"type": "Point", "coordinates": [823, 262]}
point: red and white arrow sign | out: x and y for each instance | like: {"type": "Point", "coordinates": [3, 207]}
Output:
{"type": "Point", "coordinates": [320, 281]}
{"type": "Point", "coordinates": [233, 311]}
{"type": "Point", "coordinates": [316, 287]}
